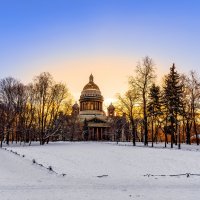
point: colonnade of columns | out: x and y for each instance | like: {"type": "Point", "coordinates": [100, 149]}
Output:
{"type": "Point", "coordinates": [97, 133]}
{"type": "Point", "coordinates": [94, 105]}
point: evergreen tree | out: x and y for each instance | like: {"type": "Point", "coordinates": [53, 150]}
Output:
{"type": "Point", "coordinates": [173, 100]}
{"type": "Point", "coordinates": [154, 107]}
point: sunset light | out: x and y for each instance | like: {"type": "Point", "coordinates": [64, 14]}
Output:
{"type": "Point", "coordinates": [99, 99]}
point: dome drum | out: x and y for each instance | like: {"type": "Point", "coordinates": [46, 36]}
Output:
{"type": "Point", "coordinates": [91, 98]}
{"type": "Point", "coordinates": [91, 105]}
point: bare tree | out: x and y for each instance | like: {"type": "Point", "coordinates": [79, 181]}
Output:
{"type": "Point", "coordinates": [50, 97]}
{"type": "Point", "coordinates": [2, 122]}
{"type": "Point", "coordinates": [8, 99]}
{"type": "Point", "coordinates": [128, 104]}
{"type": "Point", "coordinates": [187, 111]}
{"type": "Point", "coordinates": [193, 85]}
{"type": "Point", "coordinates": [29, 114]}
{"type": "Point", "coordinates": [145, 74]}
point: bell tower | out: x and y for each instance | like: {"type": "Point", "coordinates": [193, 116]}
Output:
{"type": "Point", "coordinates": [111, 110]}
{"type": "Point", "coordinates": [75, 109]}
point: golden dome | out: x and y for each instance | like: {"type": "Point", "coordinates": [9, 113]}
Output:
{"type": "Point", "coordinates": [91, 85]}
{"type": "Point", "coordinates": [91, 90]}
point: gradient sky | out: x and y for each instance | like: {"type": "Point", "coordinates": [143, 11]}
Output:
{"type": "Point", "coordinates": [72, 39]}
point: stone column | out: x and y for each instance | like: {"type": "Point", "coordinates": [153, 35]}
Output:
{"type": "Point", "coordinates": [89, 134]}
{"type": "Point", "coordinates": [96, 106]}
{"type": "Point", "coordinates": [101, 134]}
{"type": "Point", "coordinates": [93, 134]}
{"type": "Point", "coordinates": [97, 135]}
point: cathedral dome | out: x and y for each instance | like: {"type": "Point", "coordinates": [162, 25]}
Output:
{"type": "Point", "coordinates": [91, 85]}
{"type": "Point", "coordinates": [91, 89]}
{"type": "Point", "coordinates": [91, 100]}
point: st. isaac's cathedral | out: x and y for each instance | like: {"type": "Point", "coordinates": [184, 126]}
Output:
{"type": "Point", "coordinates": [95, 124]}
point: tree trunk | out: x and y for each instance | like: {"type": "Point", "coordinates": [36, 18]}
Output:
{"type": "Point", "coordinates": [195, 130]}
{"type": "Point", "coordinates": [133, 131]}
{"type": "Point", "coordinates": [179, 137]}
{"type": "Point", "coordinates": [145, 120]}
{"type": "Point", "coordinates": [145, 131]}
{"type": "Point", "coordinates": [152, 132]}
{"type": "Point", "coordinates": [187, 132]}
{"type": "Point", "coordinates": [2, 139]}
{"type": "Point", "coordinates": [176, 131]}
{"type": "Point", "coordinates": [172, 134]}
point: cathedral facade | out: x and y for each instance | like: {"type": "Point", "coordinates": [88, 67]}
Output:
{"type": "Point", "coordinates": [95, 124]}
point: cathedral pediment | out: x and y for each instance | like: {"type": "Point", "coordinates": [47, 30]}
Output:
{"type": "Point", "coordinates": [96, 120]}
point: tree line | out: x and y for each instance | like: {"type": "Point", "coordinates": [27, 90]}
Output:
{"type": "Point", "coordinates": [33, 112]}
{"type": "Point", "coordinates": [42, 110]}
{"type": "Point", "coordinates": [170, 110]}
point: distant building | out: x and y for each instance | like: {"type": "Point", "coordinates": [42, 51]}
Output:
{"type": "Point", "coordinates": [96, 125]}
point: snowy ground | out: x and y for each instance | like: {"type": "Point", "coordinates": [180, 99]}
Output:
{"type": "Point", "coordinates": [99, 171]}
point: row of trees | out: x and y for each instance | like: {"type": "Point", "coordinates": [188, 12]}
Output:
{"type": "Point", "coordinates": [172, 108]}
{"type": "Point", "coordinates": [32, 112]}
{"type": "Point", "coordinates": [41, 110]}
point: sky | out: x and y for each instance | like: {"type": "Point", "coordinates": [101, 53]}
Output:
{"type": "Point", "coordinates": [73, 38]}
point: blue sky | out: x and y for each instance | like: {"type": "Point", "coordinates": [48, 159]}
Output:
{"type": "Point", "coordinates": [69, 38]}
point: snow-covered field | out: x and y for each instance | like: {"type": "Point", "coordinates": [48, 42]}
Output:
{"type": "Point", "coordinates": [99, 171]}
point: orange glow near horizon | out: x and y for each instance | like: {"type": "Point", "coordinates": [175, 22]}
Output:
{"type": "Point", "coordinates": [110, 74]}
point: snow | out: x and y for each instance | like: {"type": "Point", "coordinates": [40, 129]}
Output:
{"type": "Point", "coordinates": [97, 170]}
